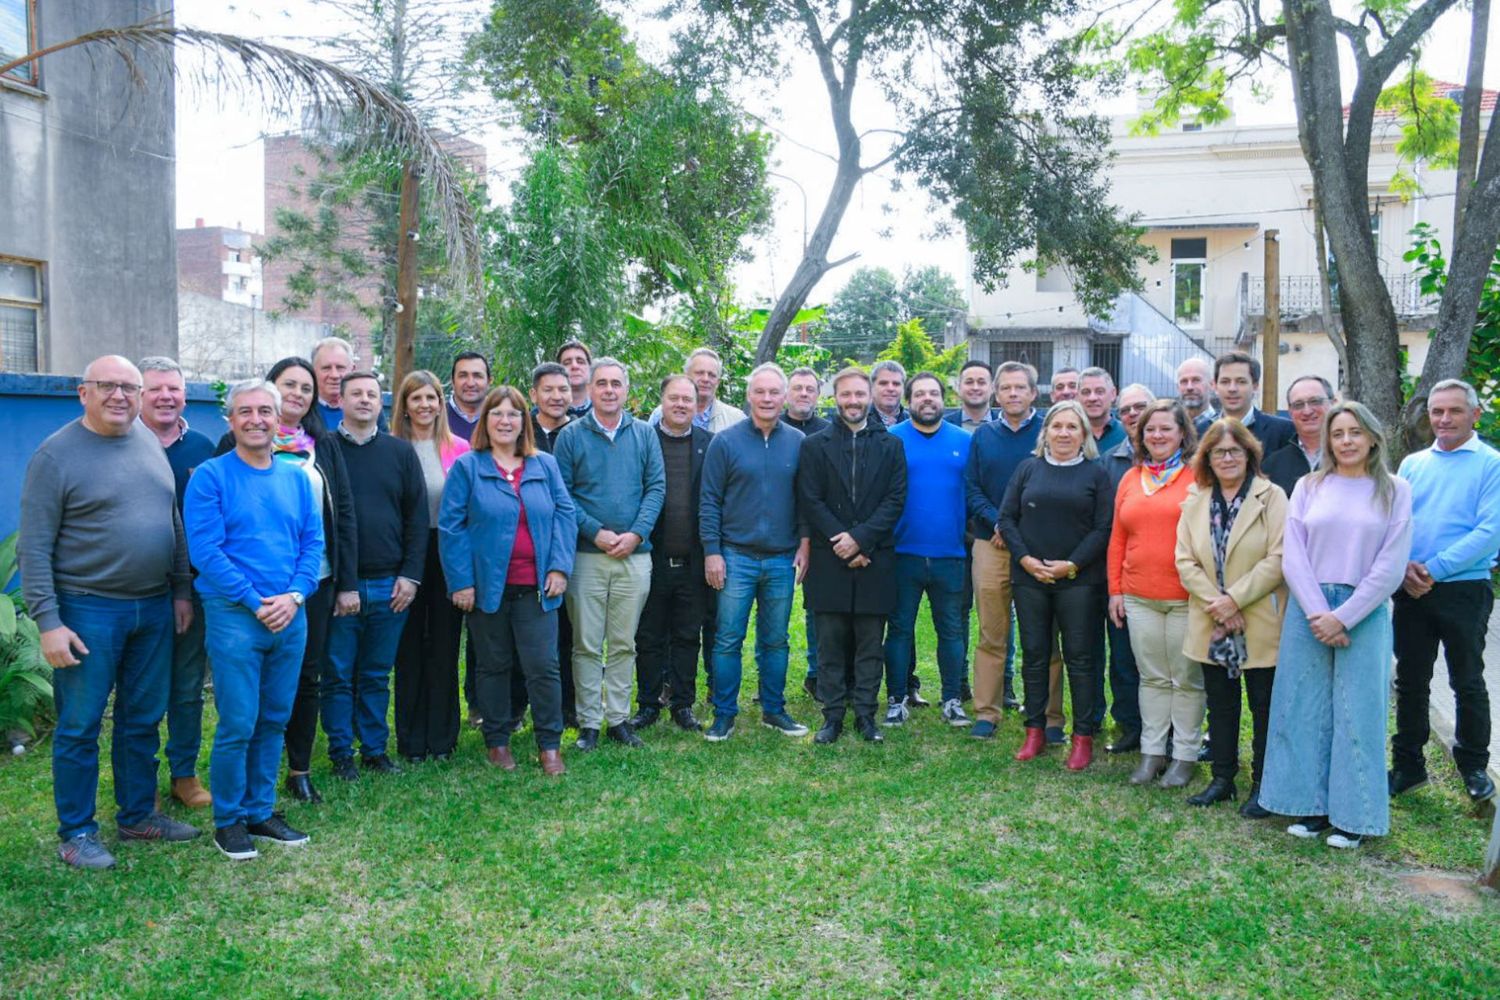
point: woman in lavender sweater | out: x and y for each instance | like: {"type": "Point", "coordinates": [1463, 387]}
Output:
{"type": "Point", "coordinates": [1348, 535]}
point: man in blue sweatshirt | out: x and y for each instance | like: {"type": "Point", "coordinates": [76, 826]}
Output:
{"type": "Point", "coordinates": [1446, 596]}
{"type": "Point", "coordinates": [255, 535]}
{"type": "Point", "coordinates": [929, 549]}
{"type": "Point", "coordinates": [612, 466]}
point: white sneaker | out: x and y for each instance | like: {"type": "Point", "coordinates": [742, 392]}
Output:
{"type": "Point", "coordinates": [896, 713]}
{"type": "Point", "coordinates": [1344, 840]}
{"type": "Point", "coordinates": [953, 713]}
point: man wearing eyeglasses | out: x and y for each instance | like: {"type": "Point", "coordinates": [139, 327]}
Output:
{"type": "Point", "coordinates": [1308, 399]}
{"type": "Point", "coordinates": [104, 573]}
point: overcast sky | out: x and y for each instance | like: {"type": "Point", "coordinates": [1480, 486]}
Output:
{"type": "Point", "coordinates": [220, 177]}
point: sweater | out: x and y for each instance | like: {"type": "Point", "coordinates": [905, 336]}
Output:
{"type": "Point", "coordinates": [1455, 506]}
{"type": "Point", "coordinates": [749, 489]}
{"type": "Point", "coordinates": [994, 453]}
{"type": "Point", "coordinates": [933, 517]}
{"type": "Point", "coordinates": [1336, 532]}
{"type": "Point", "coordinates": [1058, 512]}
{"type": "Point", "coordinates": [99, 516]}
{"type": "Point", "coordinates": [390, 505]}
{"type": "Point", "coordinates": [616, 482]}
{"type": "Point", "coordinates": [808, 427]}
{"type": "Point", "coordinates": [253, 533]}
{"type": "Point", "coordinates": [1143, 539]}
{"type": "Point", "coordinates": [189, 451]}
{"type": "Point", "coordinates": [1114, 434]}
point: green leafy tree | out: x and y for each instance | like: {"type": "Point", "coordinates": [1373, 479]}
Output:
{"type": "Point", "coordinates": [989, 118]}
{"type": "Point", "coordinates": [1194, 51]}
{"type": "Point", "coordinates": [1482, 366]}
{"type": "Point", "coordinates": [913, 349]}
{"type": "Point", "coordinates": [865, 313]}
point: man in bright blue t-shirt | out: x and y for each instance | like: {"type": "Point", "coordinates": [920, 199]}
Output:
{"type": "Point", "coordinates": [929, 550]}
{"type": "Point", "coordinates": [255, 535]}
{"type": "Point", "coordinates": [1446, 596]}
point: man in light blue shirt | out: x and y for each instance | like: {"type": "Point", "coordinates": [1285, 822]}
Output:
{"type": "Point", "coordinates": [1446, 596]}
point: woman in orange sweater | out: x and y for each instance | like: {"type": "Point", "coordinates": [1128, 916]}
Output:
{"type": "Point", "coordinates": [1145, 591]}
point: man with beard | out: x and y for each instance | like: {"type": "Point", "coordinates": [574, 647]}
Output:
{"type": "Point", "coordinates": [929, 544]}
{"type": "Point", "coordinates": [804, 387]}
{"type": "Point", "coordinates": [852, 488]}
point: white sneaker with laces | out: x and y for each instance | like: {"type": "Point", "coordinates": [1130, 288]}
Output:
{"type": "Point", "coordinates": [896, 712]}
{"type": "Point", "coordinates": [953, 713]}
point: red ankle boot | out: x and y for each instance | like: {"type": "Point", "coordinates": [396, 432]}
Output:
{"type": "Point", "coordinates": [1036, 742]}
{"type": "Point", "coordinates": [1082, 754]}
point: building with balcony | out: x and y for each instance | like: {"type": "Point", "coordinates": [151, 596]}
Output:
{"type": "Point", "coordinates": [1206, 197]}
{"type": "Point", "coordinates": [220, 262]}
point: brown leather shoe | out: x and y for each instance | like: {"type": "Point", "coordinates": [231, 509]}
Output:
{"type": "Point", "coordinates": [1180, 773]}
{"type": "Point", "coordinates": [552, 764]}
{"type": "Point", "coordinates": [501, 758]}
{"type": "Point", "coordinates": [191, 793]}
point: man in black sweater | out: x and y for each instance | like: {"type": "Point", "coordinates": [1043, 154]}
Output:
{"type": "Point", "coordinates": [390, 511]}
{"type": "Point", "coordinates": [666, 640]}
{"type": "Point", "coordinates": [851, 487]}
{"type": "Point", "coordinates": [1308, 400]}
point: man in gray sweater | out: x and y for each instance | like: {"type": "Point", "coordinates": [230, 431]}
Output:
{"type": "Point", "coordinates": [612, 466]}
{"type": "Point", "coordinates": [104, 572]}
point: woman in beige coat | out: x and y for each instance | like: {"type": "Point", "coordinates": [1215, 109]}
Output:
{"type": "Point", "coordinates": [1229, 557]}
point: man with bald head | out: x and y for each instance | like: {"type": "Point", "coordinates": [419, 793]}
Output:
{"type": "Point", "coordinates": [104, 573]}
{"type": "Point", "coordinates": [1194, 379]}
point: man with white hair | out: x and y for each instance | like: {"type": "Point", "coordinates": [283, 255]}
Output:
{"type": "Point", "coordinates": [332, 359]}
{"type": "Point", "coordinates": [104, 572]}
{"type": "Point", "coordinates": [255, 531]}
{"type": "Point", "coordinates": [706, 370]}
{"type": "Point", "coordinates": [163, 398]}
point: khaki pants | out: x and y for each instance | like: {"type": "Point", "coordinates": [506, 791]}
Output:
{"type": "Point", "coordinates": [992, 599]}
{"type": "Point", "coordinates": [605, 597]}
{"type": "Point", "coordinates": [1171, 695]}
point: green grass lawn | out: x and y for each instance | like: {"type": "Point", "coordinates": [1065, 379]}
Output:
{"type": "Point", "coordinates": [931, 866]}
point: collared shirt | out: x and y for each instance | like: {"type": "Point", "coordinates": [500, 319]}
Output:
{"type": "Point", "coordinates": [352, 438]}
{"type": "Point", "coordinates": [460, 423]}
{"type": "Point", "coordinates": [581, 409]}
{"type": "Point", "coordinates": [1312, 456]}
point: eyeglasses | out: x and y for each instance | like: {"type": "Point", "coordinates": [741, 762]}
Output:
{"type": "Point", "coordinates": [1135, 408]}
{"type": "Point", "coordinates": [1226, 454]}
{"type": "Point", "coordinates": [1307, 404]}
{"type": "Point", "coordinates": [106, 389]}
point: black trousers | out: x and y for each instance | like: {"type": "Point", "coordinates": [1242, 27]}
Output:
{"type": "Point", "coordinates": [1456, 614]}
{"type": "Point", "coordinates": [851, 663]}
{"type": "Point", "coordinates": [1223, 697]}
{"type": "Point", "coordinates": [427, 666]}
{"type": "Point", "coordinates": [519, 695]}
{"type": "Point", "coordinates": [666, 640]}
{"type": "Point", "coordinates": [302, 727]}
{"type": "Point", "coordinates": [1076, 613]}
{"type": "Point", "coordinates": [518, 639]}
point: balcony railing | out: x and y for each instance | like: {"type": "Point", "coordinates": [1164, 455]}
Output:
{"type": "Point", "coordinates": [1300, 296]}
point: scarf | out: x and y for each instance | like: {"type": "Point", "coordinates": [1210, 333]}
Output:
{"type": "Point", "coordinates": [1228, 651]}
{"type": "Point", "coordinates": [293, 440]}
{"type": "Point", "coordinates": [1156, 475]}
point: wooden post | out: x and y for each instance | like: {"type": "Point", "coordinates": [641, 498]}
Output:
{"type": "Point", "coordinates": [1270, 350]}
{"type": "Point", "coordinates": [406, 277]}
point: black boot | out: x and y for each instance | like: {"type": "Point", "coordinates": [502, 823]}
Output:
{"type": "Point", "coordinates": [1128, 740]}
{"type": "Point", "coordinates": [1252, 809]}
{"type": "Point", "coordinates": [1218, 790]}
{"type": "Point", "coordinates": [1011, 702]}
{"type": "Point", "coordinates": [868, 731]}
{"type": "Point", "coordinates": [831, 731]}
{"type": "Point", "coordinates": [646, 717]}
{"type": "Point", "coordinates": [300, 787]}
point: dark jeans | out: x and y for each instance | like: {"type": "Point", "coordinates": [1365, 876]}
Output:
{"type": "Point", "coordinates": [356, 682]}
{"type": "Point", "coordinates": [852, 660]}
{"type": "Point", "coordinates": [427, 666]}
{"type": "Point", "coordinates": [129, 652]}
{"type": "Point", "coordinates": [185, 705]}
{"type": "Point", "coordinates": [810, 630]}
{"type": "Point", "coordinates": [1223, 697]}
{"type": "Point", "coordinates": [1125, 681]}
{"type": "Point", "coordinates": [302, 727]}
{"type": "Point", "coordinates": [519, 698]}
{"type": "Point", "coordinates": [666, 641]}
{"type": "Point", "coordinates": [1076, 613]}
{"type": "Point", "coordinates": [1456, 614]}
{"type": "Point", "coordinates": [943, 582]}
{"type": "Point", "coordinates": [518, 638]}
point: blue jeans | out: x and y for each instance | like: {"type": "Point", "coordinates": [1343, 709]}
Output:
{"type": "Point", "coordinates": [768, 581]}
{"type": "Point", "coordinates": [943, 582]}
{"type": "Point", "coordinates": [130, 652]}
{"type": "Point", "coordinates": [185, 706]}
{"type": "Point", "coordinates": [1325, 753]}
{"type": "Point", "coordinates": [255, 681]}
{"type": "Point", "coordinates": [356, 687]}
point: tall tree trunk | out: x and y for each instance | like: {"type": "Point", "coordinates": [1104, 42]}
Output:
{"type": "Point", "coordinates": [1468, 122]}
{"type": "Point", "coordinates": [1339, 184]}
{"type": "Point", "coordinates": [1325, 296]}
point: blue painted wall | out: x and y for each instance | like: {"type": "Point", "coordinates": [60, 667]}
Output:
{"type": "Point", "coordinates": [33, 406]}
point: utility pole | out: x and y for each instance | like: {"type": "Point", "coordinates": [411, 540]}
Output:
{"type": "Point", "coordinates": [1270, 349]}
{"type": "Point", "coordinates": [406, 276]}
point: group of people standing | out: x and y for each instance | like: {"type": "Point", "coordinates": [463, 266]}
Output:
{"type": "Point", "coordinates": [321, 547]}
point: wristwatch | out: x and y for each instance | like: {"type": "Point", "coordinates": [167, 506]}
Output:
{"type": "Point", "coordinates": [297, 598]}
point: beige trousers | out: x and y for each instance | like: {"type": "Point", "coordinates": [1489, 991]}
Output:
{"type": "Point", "coordinates": [1171, 695]}
{"type": "Point", "coordinates": [605, 597]}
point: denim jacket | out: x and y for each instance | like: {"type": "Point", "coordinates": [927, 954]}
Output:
{"type": "Point", "coordinates": [477, 525]}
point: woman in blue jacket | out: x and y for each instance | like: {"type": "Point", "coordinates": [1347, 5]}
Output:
{"type": "Point", "coordinates": [506, 534]}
